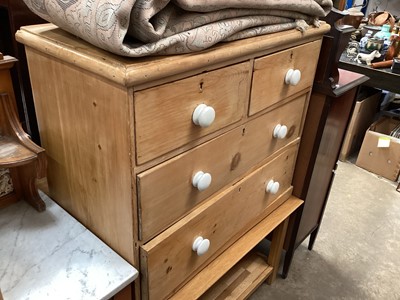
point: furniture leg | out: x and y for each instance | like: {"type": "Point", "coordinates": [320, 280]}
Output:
{"type": "Point", "coordinates": [313, 237]}
{"type": "Point", "coordinates": [274, 256]}
{"type": "Point", "coordinates": [295, 219]}
{"type": "Point", "coordinates": [27, 176]}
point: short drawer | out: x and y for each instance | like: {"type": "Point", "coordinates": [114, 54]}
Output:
{"type": "Point", "coordinates": [166, 192]}
{"type": "Point", "coordinates": [163, 114]}
{"type": "Point", "coordinates": [269, 86]}
{"type": "Point", "coordinates": [169, 259]}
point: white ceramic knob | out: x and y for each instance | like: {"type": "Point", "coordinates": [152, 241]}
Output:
{"type": "Point", "coordinates": [201, 180]}
{"type": "Point", "coordinates": [203, 115]}
{"type": "Point", "coordinates": [280, 131]}
{"type": "Point", "coordinates": [292, 77]}
{"type": "Point", "coordinates": [272, 187]}
{"type": "Point", "coordinates": [200, 245]}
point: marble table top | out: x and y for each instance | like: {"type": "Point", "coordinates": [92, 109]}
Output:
{"type": "Point", "coordinates": [50, 255]}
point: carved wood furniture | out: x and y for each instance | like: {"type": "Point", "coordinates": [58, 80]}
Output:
{"type": "Point", "coordinates": [23, 159]}
{"type": "Point", "coordinates": [13, 15]}
{"type": "Point", "coordinates": [182, 164]}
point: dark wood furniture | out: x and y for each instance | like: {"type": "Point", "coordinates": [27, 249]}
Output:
{"type": "Point", "coordinates": [25, 160]}
{"type": "Point", "coordinates": [324, 131]}
{"type": "Point", "coordinates": [13, 15]}
{"type": "Point", "coordinates": [331, 104]}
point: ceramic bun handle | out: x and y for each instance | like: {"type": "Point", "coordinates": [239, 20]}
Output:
{"type": "Point", "coordinates": [292, 77]}
{"type": "Point", "coordinates": [201, 180]}
{"type": "Point", "coordinates": [201, 245]}
{"type": "Point", "coordinates": [280, 131]}
{"type": "Point", "coordinates": [272, 187]}
{"type": "Point", "coordinates": [203, 115]}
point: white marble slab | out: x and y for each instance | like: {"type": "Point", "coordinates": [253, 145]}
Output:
{"type": "Point", "coordinates": [50, 255]}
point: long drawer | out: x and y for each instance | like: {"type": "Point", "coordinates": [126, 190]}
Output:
{"type": "Point", "coordinates": [269, 85]}
{"type": "Point", "coordinates": [168, 259]}
{"type": "Point", "coordinates": [164, 199]}
{"type": "Point", "coordinates": [164, 114]}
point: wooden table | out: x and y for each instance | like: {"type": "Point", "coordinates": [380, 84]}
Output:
{"type": "Point", "coordinates": [380, 78]}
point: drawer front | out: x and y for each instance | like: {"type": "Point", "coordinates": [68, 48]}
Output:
{"type": "Point", "coordinates": [163, 115]}
{"type": "Point", "coordinates": [163, 198]}
{"type": "Point", "coordinates": [269, 85]}
{"type": "Point", "coordinates": [168, 260]}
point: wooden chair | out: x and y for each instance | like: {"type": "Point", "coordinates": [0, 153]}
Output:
{"type": "Point", "coordinates": [23, 159]}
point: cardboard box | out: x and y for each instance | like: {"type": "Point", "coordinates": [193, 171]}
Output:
{"type": "Point", "coordinates": [363, 115]}
{"type": "Point", "coordinates": [380, 152]}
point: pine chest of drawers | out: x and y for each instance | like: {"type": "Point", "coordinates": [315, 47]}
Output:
{"type": "Point", "coordinates": [178, 163]}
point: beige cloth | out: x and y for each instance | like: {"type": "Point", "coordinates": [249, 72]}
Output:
{"type": "Point", "coordinates": [149, 27]}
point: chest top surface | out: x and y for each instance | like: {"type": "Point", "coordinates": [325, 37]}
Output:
{"type": "Point", "coordinates": [50, 39]}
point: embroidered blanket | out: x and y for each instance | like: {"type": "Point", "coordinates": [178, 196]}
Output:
{"type": "Point", "coordinates": [138, 28]}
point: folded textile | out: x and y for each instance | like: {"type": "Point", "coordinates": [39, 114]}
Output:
{"type": "Point", "coordinates": [138, 28]}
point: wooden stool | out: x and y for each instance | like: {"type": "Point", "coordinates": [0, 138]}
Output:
{"type": "Point", "coordinates": [24, 160]}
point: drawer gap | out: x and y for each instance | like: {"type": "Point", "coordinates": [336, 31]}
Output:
{"type": "Point", "coordinates": [210, 275]}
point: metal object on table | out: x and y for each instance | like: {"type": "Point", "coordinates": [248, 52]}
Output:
{"type": "Point", "coordinates": [396, 65]}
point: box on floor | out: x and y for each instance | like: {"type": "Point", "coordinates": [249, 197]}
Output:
{"type": "Point", "coordinates": [380, 152]}
{"type": "Point", "coordinates": [362, 117]}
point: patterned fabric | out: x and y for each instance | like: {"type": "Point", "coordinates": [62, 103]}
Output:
{"type": "Point", "coordinates": [146, 27]}
{"type": "Point", "coordinates": [6, 186]}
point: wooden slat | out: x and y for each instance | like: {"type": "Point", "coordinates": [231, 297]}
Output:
{"type": "Point", "coordinates": [218, 267]}
{"type": "Point", "coordinates": [241, 280]}
{"type": "Point", "coordinates": [276, 248]}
